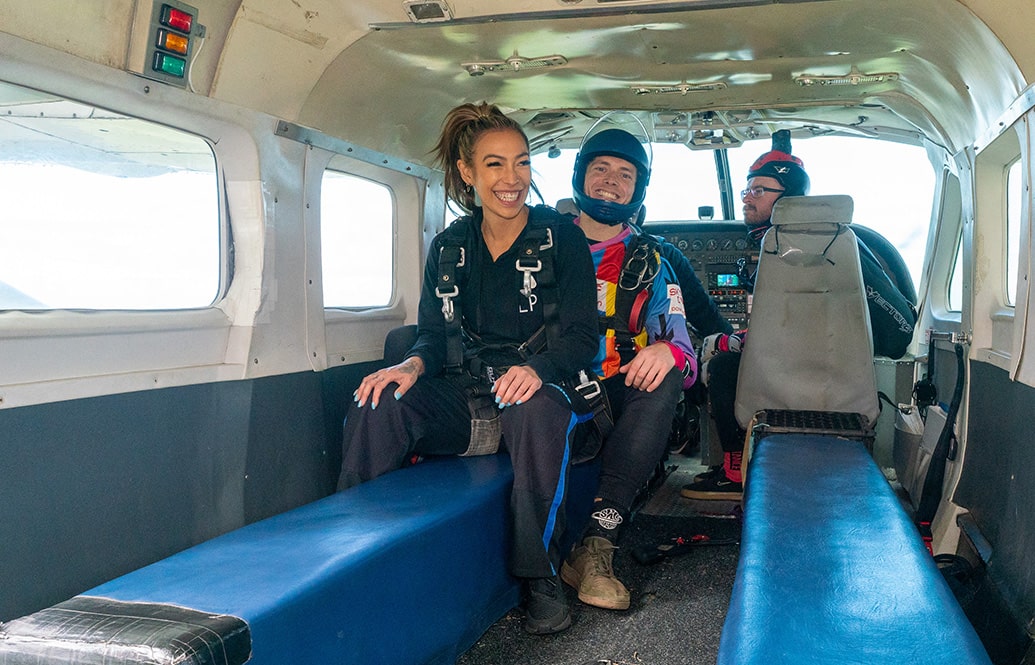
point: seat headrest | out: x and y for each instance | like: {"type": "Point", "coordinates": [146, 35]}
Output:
{"type": "Point", "coordinates": [831, 209]}
{"type": "Point", "coordinates": [567, 207]}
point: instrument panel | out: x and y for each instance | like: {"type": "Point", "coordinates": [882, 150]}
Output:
{"type": "Point", "coordinates": [722, 254]}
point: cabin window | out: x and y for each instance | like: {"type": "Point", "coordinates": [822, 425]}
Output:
{"type": "Point", "coordinates": [102, 211]}
{"type": "Point", "coordinates": [1014, 193]}
{"type": "Point", "coordinates": [356, 230]}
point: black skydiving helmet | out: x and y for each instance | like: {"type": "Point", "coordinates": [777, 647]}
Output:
{"type": "Point", "coordinates": [614, 143]}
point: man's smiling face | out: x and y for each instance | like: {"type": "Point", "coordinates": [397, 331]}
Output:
{"type": "Point", "coordinates": [610, 179]}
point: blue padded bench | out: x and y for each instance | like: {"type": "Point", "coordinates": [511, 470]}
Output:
{"type": "Point", "coordinates": [831, 569]}
{"type": "Point", "coordinates": [409, 568]}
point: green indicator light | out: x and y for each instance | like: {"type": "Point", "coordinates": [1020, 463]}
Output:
{"type": "Point", "coordinates": [169, 65]}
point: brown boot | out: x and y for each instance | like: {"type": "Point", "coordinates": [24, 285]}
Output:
{"type": "Point", "coordinates": [588, 569]}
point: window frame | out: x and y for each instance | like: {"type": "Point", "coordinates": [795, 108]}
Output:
{"type": "Point", "coordinates": [56, 355]}
{"type": "Point", "coordinates": [339, 336]}
{"type": "Point", "coordinates": [335, 167]}
{"type": "Point", "coordinates": [145, 128]}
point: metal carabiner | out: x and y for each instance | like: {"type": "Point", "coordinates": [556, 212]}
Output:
{"type": "Point", "coordinates": [447, 301]}
{"type": "Point", "coordinates": [636, 267]}
{"type": "Point", "coordinates": [527, 282]}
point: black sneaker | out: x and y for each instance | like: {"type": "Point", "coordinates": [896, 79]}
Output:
{"type": "Point", "coordinates": [718, 487]}
{"type": "Point", "coordinates": [546, 606]}
{"type": "Point", "coordinates": [712, 472]}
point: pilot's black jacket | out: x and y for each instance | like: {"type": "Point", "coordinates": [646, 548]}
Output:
{"type": "Point", "coordinates": [892, 315]}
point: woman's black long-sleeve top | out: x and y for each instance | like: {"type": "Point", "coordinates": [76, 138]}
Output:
{"type": "Point", "coordinates": [494, 310]}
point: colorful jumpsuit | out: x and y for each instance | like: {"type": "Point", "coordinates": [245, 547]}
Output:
{"type": "Point", "coordinates": [642, 419]}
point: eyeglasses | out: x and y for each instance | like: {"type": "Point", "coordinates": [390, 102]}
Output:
{"type": "Point", "coordinates": [758, 191]}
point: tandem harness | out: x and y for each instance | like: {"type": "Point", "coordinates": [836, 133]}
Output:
{"type": "Point", "coordinates": [635, 282]}
{"type": "Point", "coordinates": [464, 364]}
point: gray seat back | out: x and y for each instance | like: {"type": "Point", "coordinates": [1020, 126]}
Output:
{"type": "Point", "coordinates": [810, 346]}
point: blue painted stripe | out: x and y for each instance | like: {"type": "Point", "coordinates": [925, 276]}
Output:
{"type": "Point", "coordinates": [558, 496]}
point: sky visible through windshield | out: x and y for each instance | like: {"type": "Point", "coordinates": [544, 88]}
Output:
{"type": "Point", "coordinates": [891, 184]}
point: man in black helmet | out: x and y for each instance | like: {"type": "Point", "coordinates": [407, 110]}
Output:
{"type": "Point", "coordinates": [774, 175]}
{"type": "Point", "coordinates": [646, 358]}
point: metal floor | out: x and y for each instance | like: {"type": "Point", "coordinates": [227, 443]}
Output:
{"type": "Point", "coordinates": [678, 604]}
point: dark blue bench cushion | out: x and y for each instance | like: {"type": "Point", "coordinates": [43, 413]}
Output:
{"type": "Point", "coordinates": [408, 568]}
{"type": "Point", "coordinates": [831, 569]}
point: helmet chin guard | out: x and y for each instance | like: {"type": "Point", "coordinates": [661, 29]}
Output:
{"type": "Point", "coordinates": [605, 212]}
{"type": "Point", "coordinates": [614, 143]}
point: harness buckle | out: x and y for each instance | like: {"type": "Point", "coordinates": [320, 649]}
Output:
{"type": "Point", "coordinates": [587, 388]}
{"type": "Point", "coordinates": [536, 267]}
{"type": "Point", "coordinates": [527, 285]}
{"type": "Point", "coordinates": [447, 301]}
{"type": "Point", "coordinates": [637, 271]}
{"type": "Point", "coordinates": [549, 240]}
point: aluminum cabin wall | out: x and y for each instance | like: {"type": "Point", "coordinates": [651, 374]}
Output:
{"type": "Point", "coordinates": [97, 487]}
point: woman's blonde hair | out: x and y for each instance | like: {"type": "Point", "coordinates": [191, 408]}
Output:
{"type": "Point", "coordinates": [460, 131]}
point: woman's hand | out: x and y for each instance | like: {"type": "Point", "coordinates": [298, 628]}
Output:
{"type": "Point", "coordinates": [516, 386]}
{"type": "Point", "coordinates": [404, 375]}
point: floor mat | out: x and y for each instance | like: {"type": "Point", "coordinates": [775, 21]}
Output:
{"type": "Point", "coordinates": [678, 602]}
{"type": "Point", "coordinates": [668, 502]}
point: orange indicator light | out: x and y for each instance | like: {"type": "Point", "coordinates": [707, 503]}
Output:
{"type": "Point", "coordinates": [170, 41]}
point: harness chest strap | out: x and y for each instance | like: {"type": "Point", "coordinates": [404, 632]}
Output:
{"type": "Point", "coordinates": [534, 247]}
{"type": "Point", "coordinates": [535, 262]}
{"type": "Point", "coordinates": [635, 282]}
{"type": "Point", "coordinates": [451, 257]}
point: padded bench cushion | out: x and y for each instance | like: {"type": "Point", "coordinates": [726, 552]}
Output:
{"type": "Point", "coordinates": [408, 568]}
{"type": "Point", "coordinates": [831, 569]}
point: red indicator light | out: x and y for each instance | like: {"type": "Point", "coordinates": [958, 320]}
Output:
{"type": "Point", "coordinates": [176, 19]}
{"type": "Point", "coordinates": [170, 41]}
{"type": "Point", "coordinates": [168, 64]}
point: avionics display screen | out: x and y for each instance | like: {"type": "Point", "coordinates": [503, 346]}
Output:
{"type": "Point", "coordinates": [727, 279]}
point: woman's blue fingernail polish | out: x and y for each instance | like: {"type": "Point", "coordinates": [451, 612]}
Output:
{"type": "Point", "coordinates": [497, 399]}
{"type": "Point", "coordinates": [397, 394]}
{"type": "Point", "coordinates": [517, 402]}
